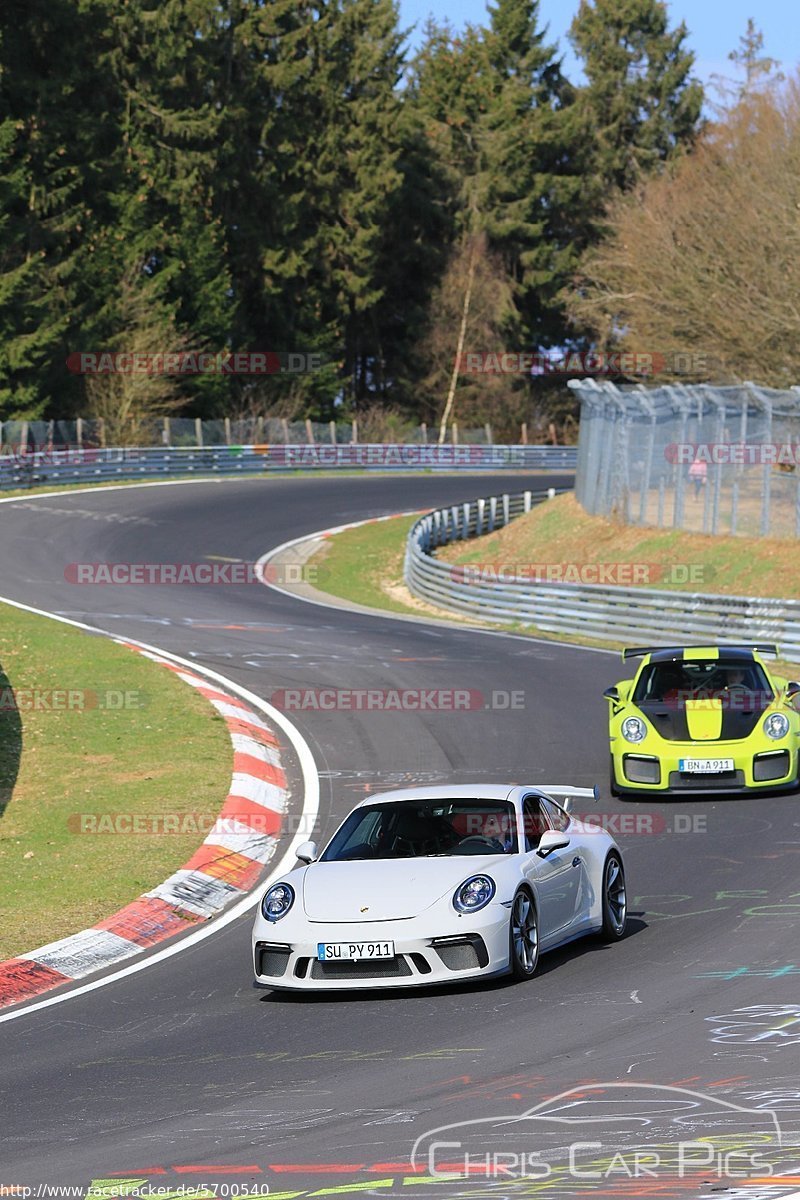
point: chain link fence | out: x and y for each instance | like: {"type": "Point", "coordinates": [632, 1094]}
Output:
{"type": "Point", "coordinates": [190, 432]}
{"type": "Point", "coordinates": [717, 460]}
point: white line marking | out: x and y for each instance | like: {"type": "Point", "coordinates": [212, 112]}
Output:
{"type": "Point", "coordinates": [310, 813]}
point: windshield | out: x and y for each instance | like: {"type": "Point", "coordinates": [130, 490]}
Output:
{"type": "Point", "coordinates": [424, 828]}
{"type": "Point", "coordinates": [733, 681]}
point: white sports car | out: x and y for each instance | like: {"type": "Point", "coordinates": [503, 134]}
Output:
{"type": "Point", "coordinates": [437, 884]}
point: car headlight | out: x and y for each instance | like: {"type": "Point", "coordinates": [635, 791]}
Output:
{"type": "Point", "coordinates": [776, 725]}
{"type": "Point", "coordinates": [633, 729]}
{"type": "Point", "coordinates": [474, 894]}
{"type": "Point", "coordinates": [277, 901]}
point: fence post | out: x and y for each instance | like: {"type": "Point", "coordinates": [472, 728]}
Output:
{"type": "Point", "coordinates": [424, 429]}
{"type": "Point", "coordinates": [227, 431]}
{"type": "Point", "coordinates": [285, 428]}
{"type": "Point", "coordinates": [739, 468]}
{"type": "Point", "coordinates": [260, 430]}
{"type": "Point", "coordinates": [198, 433]}
{"type": "Point", "coordinates": [355, 432]}
{"type": "Point", "coordinates": [165, 433]}
{"type": "Point", "coordinates": [78, 431]}
{"type": "Point", "coordinates": [488, 431]}
{"type": "Point", "coordinates": [454, 433]}
{"type": "Point", "coordinates": [523, 433]}
{"type": "Point", "coordinates": [332, 427]}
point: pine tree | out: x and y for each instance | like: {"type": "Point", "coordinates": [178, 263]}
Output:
{"type": "Point", "coordinates": [641, 99]}
{"type": "Point", "coordinates": [537, 191]}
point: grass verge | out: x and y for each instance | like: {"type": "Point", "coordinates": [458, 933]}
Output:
{"type": "Point", "coordinates": [560, 532]}
{"type": "Point", "coordinates": [365, 564]}
{"type": "Point", "coordinates": [132, 739]}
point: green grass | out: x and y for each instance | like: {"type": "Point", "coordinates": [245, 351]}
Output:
{"type": "Point", "coordinates": [358, 564]}
{"type": "Point", "coordinates": [169, 753]}
{"type": "Point", "coordinates": [365, 564]}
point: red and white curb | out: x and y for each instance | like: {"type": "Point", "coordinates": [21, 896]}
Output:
{"type": "Point", "coordinates": [224, 869]}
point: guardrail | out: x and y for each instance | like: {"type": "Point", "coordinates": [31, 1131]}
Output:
{"type": "Point", "coordinates": [619, 614]}
{"type": "Point", "coordinates": [88, 465]}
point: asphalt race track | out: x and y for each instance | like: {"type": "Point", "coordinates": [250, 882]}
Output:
{"type": "Point", "coordinates": [185, 1070]}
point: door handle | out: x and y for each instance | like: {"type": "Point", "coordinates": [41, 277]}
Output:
{"type": "Point", "coordinates": [576, 862]}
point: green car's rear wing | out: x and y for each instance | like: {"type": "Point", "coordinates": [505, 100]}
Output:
{"type": "Point", "coordinates": [754, 647]}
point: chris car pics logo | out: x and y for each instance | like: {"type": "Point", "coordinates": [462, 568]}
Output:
{"type": "Point", "coordinates": [608, 1133]}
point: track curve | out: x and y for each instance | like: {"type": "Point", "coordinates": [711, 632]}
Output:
{"type": "Point", "coordinates": [184, 1065]}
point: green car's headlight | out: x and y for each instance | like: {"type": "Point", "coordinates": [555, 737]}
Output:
{"type": "Point", "coordinates": [633, 729]}
{"type": "Point", "coordinates": [776, 725]}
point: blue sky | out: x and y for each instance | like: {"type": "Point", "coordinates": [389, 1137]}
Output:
{"type": "Point", "coordinates": [715, 26]}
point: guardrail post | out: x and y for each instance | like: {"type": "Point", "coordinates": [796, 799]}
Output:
{"type": "Point", "coordinates": [506, 507]}
{"type": "Point", "coordinates": [465, 520]}
{"type": "Point", "coordinates": [526, 501]}
{"type": "Point", "coordinates": [492, 513]}
{"type": "Point", "coordinates": [481, 505]}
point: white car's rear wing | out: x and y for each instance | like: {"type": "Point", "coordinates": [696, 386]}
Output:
{"type": "Point", "coordinates": [567, 794]}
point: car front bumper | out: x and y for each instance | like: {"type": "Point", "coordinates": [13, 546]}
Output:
{"type": "Point", "coordinates": [756, 768]}
{"type": "Point", "coordinates": [285, 955]}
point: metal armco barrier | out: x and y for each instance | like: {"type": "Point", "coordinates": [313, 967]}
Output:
{"type": "Point", "coordinates": [87, 465]}
{"type": "Point", "coordinates": [617, 614]}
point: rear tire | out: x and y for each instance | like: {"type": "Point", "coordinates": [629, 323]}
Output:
{"type": "Point", "coordinates": [615, 902]}
{"type": "Point", "coordinates": [523, 936]}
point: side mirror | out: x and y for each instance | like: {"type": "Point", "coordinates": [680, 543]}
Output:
{"type": "Point", "coordinates": [551, 841]}
{"type": "Point", "coordinates": [792, 689]}
{"type": "Point", "coordinates": [307, 852]}
{"type": "Point", "coordinates": [611, 693]}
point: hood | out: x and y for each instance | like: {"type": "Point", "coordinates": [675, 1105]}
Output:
{"type": "Point", "coordinates": [386, 890]}
{"type": "Point", "coordinates": [709, 720]}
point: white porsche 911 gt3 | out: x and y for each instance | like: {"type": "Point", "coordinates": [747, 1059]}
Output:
{"type": "Point", "coordinates": [437, 884]}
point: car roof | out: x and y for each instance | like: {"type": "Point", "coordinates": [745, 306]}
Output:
{"type": "Point", "coordinates": [459, 791]}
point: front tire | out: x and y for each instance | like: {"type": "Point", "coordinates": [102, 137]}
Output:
{"type": "Point", "coordinates": [523, 936]}
{"type": "Point", "coordinates": [615, 901]}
